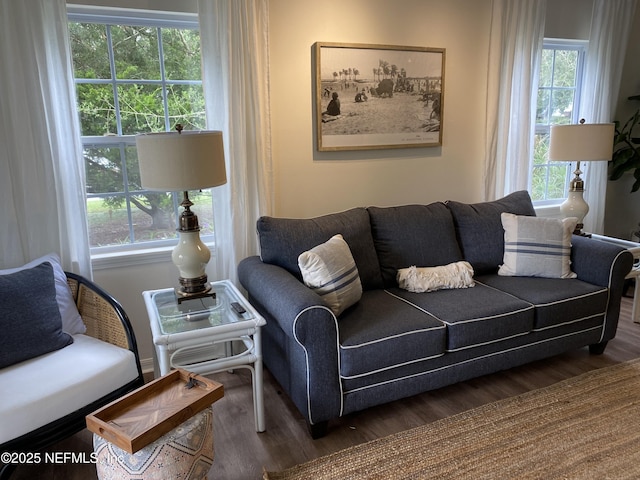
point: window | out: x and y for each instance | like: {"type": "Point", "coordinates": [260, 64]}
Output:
{"type": "Point", "coordinates": [133, 75]}
{"type": "Point", "coordinates": [557, 103]}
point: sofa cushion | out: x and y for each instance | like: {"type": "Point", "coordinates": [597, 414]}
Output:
{"type": "Point", "coordinates": [282, 240]}
{"type": "Point", "coordinates": [92, 369]}
{"type": "Point", "coordinates": [30, 319]}
{"type": "Point", "coordinates": [422, 235]}
{"type": "Point", "coordinates": [474, 316]}
{"type": "Point", "coordinates": [537, 247]}
{"type": "Point", "coordinates": [479, 228]}
{"type": "Point", "coordinates": [383, 332]}
{"type": "Point", "coordinates": [557, 301]}
{"type": "Point", "coordinates": [71, 321]}
{"type": "Point", "coordinates": [330, 271]}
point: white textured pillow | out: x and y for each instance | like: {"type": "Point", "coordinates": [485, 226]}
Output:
{"type": "Point", "coordinates": [329, 269]}
{"type": "Point", "coordinates": [428, 279]}
{"type": "Point", "coordinates": [537, 246]}
{"type": "Point", "coordinates": [71, 321]}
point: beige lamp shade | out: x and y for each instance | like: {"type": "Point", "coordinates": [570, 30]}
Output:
{"type": "Point", "coordinates": [582, 142]}
{"type": "Point", "coordinates": [190, 160]}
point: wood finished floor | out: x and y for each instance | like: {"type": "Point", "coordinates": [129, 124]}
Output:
{"type": "Point", "coordinates": [241, 453]}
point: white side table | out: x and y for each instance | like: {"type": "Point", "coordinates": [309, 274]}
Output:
{"type": "Point", "coordinates": [634, 248]}
{"type": "Point", "coordinates": [184, 335]}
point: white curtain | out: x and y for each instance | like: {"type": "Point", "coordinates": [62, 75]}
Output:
{"type": "Point", "coordinates": [517, 34]}
{"type": "Point", "coordinates": [610, 27]}
{"type": "Point", "coordinates": [41, 168]}
{"type": "Point", "coordinates": [234, 38]}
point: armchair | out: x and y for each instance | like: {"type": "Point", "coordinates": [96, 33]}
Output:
{"type": "Point", "coordinates": [100, 365]}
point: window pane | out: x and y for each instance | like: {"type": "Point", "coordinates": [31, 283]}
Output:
{"type": "Point", "coordinates": [186, 106]}
{"type": "Point", "coordinates": [96, 107]}
{"type": "Point", "coordinates": [141, 109]}
{"type": "Point", "coordinates": [108, 224]}
{"type": "Point", "coordinates": [557, 181]}
{"type": "Point", "coordinates": [562, 106]}
{"type": "Point", "coordinates": [565, 68]}
{"type": "Point", "coordinates": [181, 50]}
{"type": "Point", "coordinates": [544, 107]}
{"type": "Point", "coordinates": [103, 169]}
{"type": "Point", "coordinates": [546, 68]}
{"type": "Point", "coordinates": [203, 208]}
{"type": "Point", "coordinates": [538, 183]}
{"type": "Point", "coordinates": [90, 53]}
{"type": "Point", "coordinates": [135, 52]}
{"type": "Point", "coordinates": [154, 211]}
{"type": "Point", "coordinates": [540, 149]}
{"type": "Point", "coordinates": [133, 170]}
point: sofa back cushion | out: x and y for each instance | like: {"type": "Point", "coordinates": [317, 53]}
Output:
{"type": "Point", "coordinates": [479, 228]}
{"type": "Point", "coordinates": [282, 240]}
{"type": "Point", "coordinates": [420, 235]}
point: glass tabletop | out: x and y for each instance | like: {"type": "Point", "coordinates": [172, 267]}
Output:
{"type": "Point", "coordinates": [197, 313]}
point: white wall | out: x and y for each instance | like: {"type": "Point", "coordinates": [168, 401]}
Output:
{"type": "Point", "coordinates": [309, 183]}
{"type": "Point", "coordinates": [568, 19]}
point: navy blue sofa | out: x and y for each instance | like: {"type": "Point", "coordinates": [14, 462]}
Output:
{"type": "Point", "coordinates": [393, 343]}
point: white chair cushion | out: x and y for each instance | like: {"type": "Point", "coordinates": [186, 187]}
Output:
{"type": "Point", "coordinates": [40, 390]}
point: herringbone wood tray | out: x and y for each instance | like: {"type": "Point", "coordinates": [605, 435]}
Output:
{"type": "Point", "coordinates": [144, 415]}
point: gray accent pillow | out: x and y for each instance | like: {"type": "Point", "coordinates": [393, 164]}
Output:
{"type": "Point", "coordinates": [420, 235]}
{"type": "Point", "coordinates": [30, 320]}
{"type": "Point", "coordinates": [71, 320]}
{"type": "Point", "coordinates": [282, 240]}
{"type": "Point", "coordinates": [479, 228]}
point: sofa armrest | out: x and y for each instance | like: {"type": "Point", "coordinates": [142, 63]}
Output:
{"type": "Point", "coordinates": [276, 291]}
{"type": "Point", "coordinates": [312, 330]}
{"type": "Point", "coordinates": [604, 264]}
{"type": "Point", "coordinates": [600, 263]}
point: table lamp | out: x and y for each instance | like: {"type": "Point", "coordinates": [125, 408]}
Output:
{"type": "Point", "coordinates": [183, 161]}
{"type": "Point", "coordinates": [580, 143]}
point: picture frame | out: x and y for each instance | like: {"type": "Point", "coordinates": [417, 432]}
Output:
{"type": "Point", "coordinates": [389, 96]}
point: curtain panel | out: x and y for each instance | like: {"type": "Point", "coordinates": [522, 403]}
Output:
{"type": "Point", "coordinates": [516, 38]}
{"type": "Point", "coordinates": [610, 28]}
{"type": "Point", "coordinates": [234, 38]}
{"type": "Point", "coordinates": [42, 182]}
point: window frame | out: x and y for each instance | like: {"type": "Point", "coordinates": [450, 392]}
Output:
{"type": "Point", "coordinates": [544, 129]}
{"type": "Point", "coordinates": [148, 251]}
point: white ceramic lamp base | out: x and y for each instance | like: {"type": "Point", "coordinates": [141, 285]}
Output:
{"type": "Point", "coordinates": [191, 256]}
{"type": "Point", "coordinates": [575, 206]}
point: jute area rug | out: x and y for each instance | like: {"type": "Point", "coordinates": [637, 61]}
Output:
{"type": "Point", "coordinates": [587, 427]}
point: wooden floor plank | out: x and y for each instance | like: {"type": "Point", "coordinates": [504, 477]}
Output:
{"type": "Point", "coordinates": [241, 453]}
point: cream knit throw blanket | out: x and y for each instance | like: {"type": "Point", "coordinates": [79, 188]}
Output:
{"type": "Point", "coordinates": [428, 279]}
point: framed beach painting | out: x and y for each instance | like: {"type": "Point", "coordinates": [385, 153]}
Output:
{"type": "Point", "coordinates": [378, 96]}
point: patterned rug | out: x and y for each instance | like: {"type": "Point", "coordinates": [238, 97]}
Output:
{"type": "Point", "coordinates": [587, 427]}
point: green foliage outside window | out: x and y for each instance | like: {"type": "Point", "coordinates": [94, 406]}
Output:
{"type": "Point", "coordinates": [557, 102]}
{"type": "Point", "coordinates": [131, 80]}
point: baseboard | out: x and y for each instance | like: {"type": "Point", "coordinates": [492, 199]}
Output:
{"type": "Point", "coordinates": [147, 365]}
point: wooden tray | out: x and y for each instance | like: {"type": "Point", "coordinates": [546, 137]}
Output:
{"type": "Point", "coordinates": [144, 415]}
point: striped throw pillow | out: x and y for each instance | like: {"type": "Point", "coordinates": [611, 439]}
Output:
{"type": "Point", "coordinates": [329, 269]}
{"type": "Point", "coordinates": [537, 246]}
